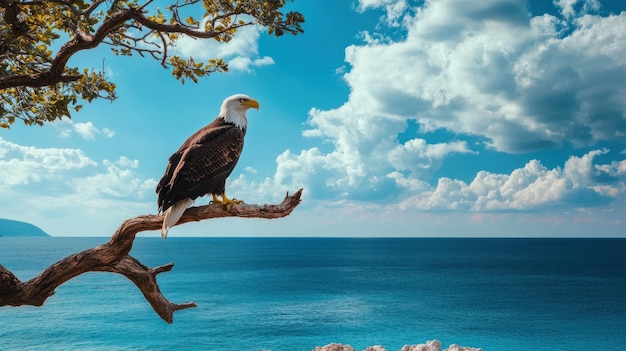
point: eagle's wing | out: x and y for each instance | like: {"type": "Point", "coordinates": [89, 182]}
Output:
{"type": "Point", "coordinates": [201, 165]}
{"type": "Point", "coordinates": [163, 188]}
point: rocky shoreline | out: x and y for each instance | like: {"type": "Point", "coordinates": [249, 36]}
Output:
{"type": "Point", "coordinates": [431, 345]}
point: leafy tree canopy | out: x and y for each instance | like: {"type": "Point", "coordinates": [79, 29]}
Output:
{"type": "Point", "coordinates": [37, 38]}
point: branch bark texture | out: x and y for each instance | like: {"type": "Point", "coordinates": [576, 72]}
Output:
{"type": "Point", "coordinates": [114, 257]}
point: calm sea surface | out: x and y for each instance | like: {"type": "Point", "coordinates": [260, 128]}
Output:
{"type": "Point", "coordinates": [295, 294]}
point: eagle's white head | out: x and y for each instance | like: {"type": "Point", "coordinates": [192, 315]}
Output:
{"type": "Point", "coordinates": [234, 109]}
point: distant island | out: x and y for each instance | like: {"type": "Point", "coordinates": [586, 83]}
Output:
{"type": "Point", "coordinates": [11, 228]}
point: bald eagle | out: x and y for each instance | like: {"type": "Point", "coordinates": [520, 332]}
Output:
{"type": "Point", "coordinates": [204, 161]}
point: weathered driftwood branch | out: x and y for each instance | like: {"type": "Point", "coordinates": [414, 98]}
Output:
{"type": "Point", "coordinates": [113, 256]}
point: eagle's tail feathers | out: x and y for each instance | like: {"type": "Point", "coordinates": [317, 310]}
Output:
{"type": "Point", "coordinates": [173, 214]}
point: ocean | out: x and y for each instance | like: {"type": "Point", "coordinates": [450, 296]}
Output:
{"type": "Point", "coordinates": [292, 294]}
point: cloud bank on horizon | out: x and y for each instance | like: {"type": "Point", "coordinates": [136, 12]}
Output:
{"type": "Point", "coordinates": [435, 81]}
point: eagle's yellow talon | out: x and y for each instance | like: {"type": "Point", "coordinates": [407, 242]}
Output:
{"type": "Point", "coordinates": [226, 202]}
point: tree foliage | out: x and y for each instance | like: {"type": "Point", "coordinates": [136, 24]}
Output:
{"type": "Point", "coordinates": [38, 38]}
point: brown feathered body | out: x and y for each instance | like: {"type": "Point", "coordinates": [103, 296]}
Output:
{"type": "Point", "coordinates": [202, 164]}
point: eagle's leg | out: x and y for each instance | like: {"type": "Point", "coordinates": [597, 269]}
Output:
{"type": "Point", "coordinates": [226, 202]}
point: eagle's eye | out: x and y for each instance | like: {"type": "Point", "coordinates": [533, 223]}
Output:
{"type": "Point", "coordinates": [242, 100]}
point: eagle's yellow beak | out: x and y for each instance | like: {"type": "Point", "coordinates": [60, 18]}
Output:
{"type": "Point", "coordinates": [251, 104]}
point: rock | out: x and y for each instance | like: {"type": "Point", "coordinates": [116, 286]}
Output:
{"type": "Point", "coordinates": [431, 345]}
{"type": "Point", "coordinates": [334, 347]}
{"type": "Point", "coordinates": [375, 348]}
{"type": "Point", "coordinates": [455, 347]}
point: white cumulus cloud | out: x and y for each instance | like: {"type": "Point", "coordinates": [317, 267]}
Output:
{"type": "Point", "coordinates": [490, 69]}
{"type": "Point", "coordinates": [118, 181]}
{"type": "Point", "coordinates": [86, 130]}
{"type": "Point", "coordinates": [26, 164]}
{"type": "Point", "coordinates": [488, 72]}
{"type": "Point", "coordinates": [568, 7]}
{"type": "Point", "coordinates": [52, 187]}
{"type": "Point", "coordinates": [394, 9]}
{"type": "Point", "coordinates": [579, 183]}
{"type": "Point", "coordinates": [241, 53]}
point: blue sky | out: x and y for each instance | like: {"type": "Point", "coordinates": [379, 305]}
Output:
{"type": "Point", "coordinates": [398, 118]}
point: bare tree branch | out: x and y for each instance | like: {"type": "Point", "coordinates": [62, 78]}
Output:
{"type": "Point", "coordinates": [114, 257]}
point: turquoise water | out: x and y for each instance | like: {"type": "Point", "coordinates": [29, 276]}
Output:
{"type": "Point", "coordinates": [295, 294]}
